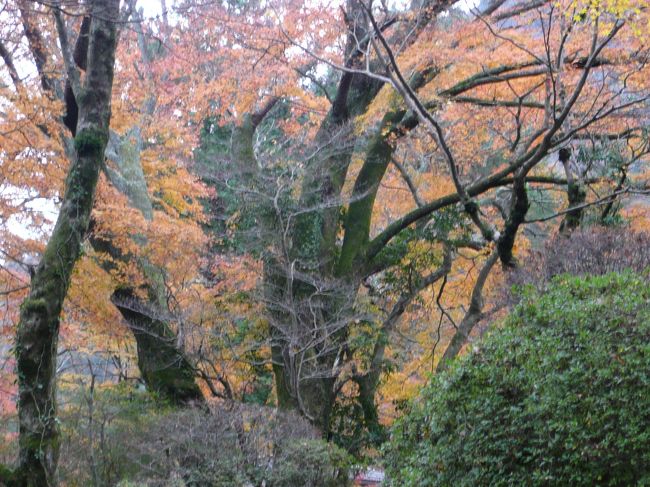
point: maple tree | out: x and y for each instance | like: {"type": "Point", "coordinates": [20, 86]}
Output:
{"type": "Point", "coordinates": [549, 83]}
{"type": "Point", "coordinates": [162, 364]}
{"type": "Point", "coordinates": [117, 253]}
{"type": "Point", "coordinates": [320, 193]}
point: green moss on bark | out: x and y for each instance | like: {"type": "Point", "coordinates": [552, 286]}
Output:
{"type": "Point", "coordinates": [7, 477]}
{"type": "Point", "coordinates": [90, 142]}
{"type": "Point", "coordinates": [34, 306]}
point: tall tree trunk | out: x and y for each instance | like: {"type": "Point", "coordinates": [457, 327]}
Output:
{"type": "Point", "coordinates": [310, 285]}
{"type": "Point", "coordinates": [164, 367]}
{"type": "Point", "coordinates": [38, 329]}
{"type": "Point", "coordinates": [576, 195]}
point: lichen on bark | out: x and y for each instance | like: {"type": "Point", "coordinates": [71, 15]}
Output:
{"type": "Point", "coordinates": [38, 328]}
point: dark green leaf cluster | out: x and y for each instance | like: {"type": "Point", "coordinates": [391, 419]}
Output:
{"type": "Point", "coordinates": [560, 395]}
{"type": "Point", "coordinates": [212, 163]}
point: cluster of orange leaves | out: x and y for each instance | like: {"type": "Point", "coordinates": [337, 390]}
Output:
{"type": "Point", "coordinates": [228, 62]}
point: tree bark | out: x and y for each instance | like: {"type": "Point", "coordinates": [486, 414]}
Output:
{"type": "Point", "coordinates": [38, 329]}
{"type": "Point", "coordinates": [163, 366]}
{"type": "Point", "coordinates": [518, 209]}
{"type": "Point", "coordinates": [471, 318]}
{"type": "Point", "coordinates": [575, 194]}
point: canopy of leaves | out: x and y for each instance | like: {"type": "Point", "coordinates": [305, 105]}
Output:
{"type": "Point", "coordinates": [206, 213]}
{"type": "Point", "coordinates": [559, 396]}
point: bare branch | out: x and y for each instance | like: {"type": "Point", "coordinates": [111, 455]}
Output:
{"type": "Point", "coordinates": [472, 316]}
{"type": "Point", "coordinates": [70, 67]}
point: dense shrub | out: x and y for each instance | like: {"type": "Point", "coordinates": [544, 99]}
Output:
{"type": "Point", "coordinates": [560, 395]}
{"type": "Point", "coordinates": [132, 443]}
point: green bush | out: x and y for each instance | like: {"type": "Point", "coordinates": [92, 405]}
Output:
{"type": "Point", "coordinates": [132, 442]}
{"type": "Point", "coordinates": [312, 463]}
{"type": "Point", "coordinates": [560, 395]}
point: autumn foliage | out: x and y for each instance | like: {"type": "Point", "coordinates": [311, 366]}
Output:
{"type": "Point", "coordinates": [319, 203]}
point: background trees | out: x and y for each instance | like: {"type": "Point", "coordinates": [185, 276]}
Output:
{"type": "Point", "coordinates": [546, 85]}
{"type": "Point", "coordinates": [314, 205]}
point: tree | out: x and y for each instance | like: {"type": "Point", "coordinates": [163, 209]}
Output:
{"type": "Point", "coordinates": [163, 363]}
{"type": "Point", "coordinates": [164, 366]}
{"type": "Point", "coordinates": [37, 335]}
{"type": "Point", "coordinates": [498, 93]}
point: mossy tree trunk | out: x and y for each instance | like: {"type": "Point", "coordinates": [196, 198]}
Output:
{"type": "Point", "coordinates": [320, 301]}
{"type": "Point", "coordinates": [310, 281]}
{"type": "Point", "coordinates": [323, 291]}
{"type": "Point", "coordinates": [164, 368]}
{"type": "Point", "coordinates": [38, 329]}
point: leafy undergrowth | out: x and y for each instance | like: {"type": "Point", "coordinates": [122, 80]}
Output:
{"type": "Point", "coordinates": [119, 436]}
{"type": "Point", "coordinates": [560, 395]}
